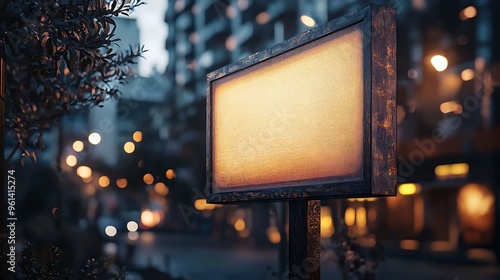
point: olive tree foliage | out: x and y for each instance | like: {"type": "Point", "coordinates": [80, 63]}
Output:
{"type": "Point", "coordinates": [59, 59]}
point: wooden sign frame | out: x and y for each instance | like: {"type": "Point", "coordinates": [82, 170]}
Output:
{"type": "Point", "coordinates": [378, 25]}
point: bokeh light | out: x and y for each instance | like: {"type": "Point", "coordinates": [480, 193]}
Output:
{"type": "Point", "coordinates": [439, 62]}
{"type": "Point", "coordinates": [84, 171]}
{"type": "Point", "coordinates": [239, 225]}
{"type": "Point", "coordinates": [467, 74]}
{"type": "Point", "coordinates": [71, 160]}
{"type": "Point", "coordinates": [350, 216]}
{"type": "Point", "coordinates": [103, 181]}
{"type": "Point", "coordinates": [327, 228]}
{"type": "Point", "coordinates": [129, 147]}
{"type": "Point", "coordinates": [121, 183]}
{"type": "Point", "coordinates": [78, 146]}
{"type": "Point", "coordinates": [201, 204]}
{"type": "Point", "coordinates": [137, 136]}
{"type": "Point", "coordinates": [307, 21]}
{"type": "Point", "coordinates": [149, 218]}
{"type": "Point", "coordinates": [451, 170]}
{"type": "Point", "coordinates": [262, 18]}
{"type": "Point", "coordinates": [408, 189]}
{"type": "Point", "coordinates": [94, 138]}
{"type": "Point", "coordinates": [161, 189]}
{"type": "Point", "coordinates": [170, 174]}
{"type": "Point", "coordinates": [273, 235]}
{"type": "Point", "coordinates": [148, 179]}
{"type": "Point", "coordinates": [468, 13]}
{"type": "Point", "coordinates": [132, 226]}
{"type": "Point", "coordinates": [361, 217]}
{"type": "Point", "coordinates": [110, 231]}
{"type": "Point", "coordinates": [133, 236]}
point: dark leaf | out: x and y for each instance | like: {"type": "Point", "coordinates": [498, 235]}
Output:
{"type": "Point", "coordinates": [49, 47]}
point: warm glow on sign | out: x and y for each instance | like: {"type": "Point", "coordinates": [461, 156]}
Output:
{"type": "Point", "coordinates": [292, 118]}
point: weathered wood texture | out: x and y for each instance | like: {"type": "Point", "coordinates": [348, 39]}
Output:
{"type": "Point", "coordinates": [379, 143]}
{"type": "Point", "coordinates": [383, 111]}
{"type": "Point", "coordinates": [304, 250]}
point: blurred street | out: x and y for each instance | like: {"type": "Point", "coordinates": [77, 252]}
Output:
{"type": "Point", "coordinates": [199, 257]}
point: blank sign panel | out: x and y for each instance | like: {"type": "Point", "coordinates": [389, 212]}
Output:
{"type": "Point", "coordinates": [293, 119]}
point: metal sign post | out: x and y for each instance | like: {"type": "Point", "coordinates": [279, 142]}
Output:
{"type": "Point", "coordinates": [304, 250]}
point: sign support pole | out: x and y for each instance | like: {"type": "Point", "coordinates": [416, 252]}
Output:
{"type": "Point", "coordinates": [304, 250]}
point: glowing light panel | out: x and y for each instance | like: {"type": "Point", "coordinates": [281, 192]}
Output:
{"type": "Point", "coordinates": [295, 117]}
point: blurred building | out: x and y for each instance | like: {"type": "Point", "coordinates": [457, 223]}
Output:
{"type": "Point", "coordinates": [448, 108]}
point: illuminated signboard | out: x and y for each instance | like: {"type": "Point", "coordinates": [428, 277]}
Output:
{"type": "Point", "coordinates": [311, 117]}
